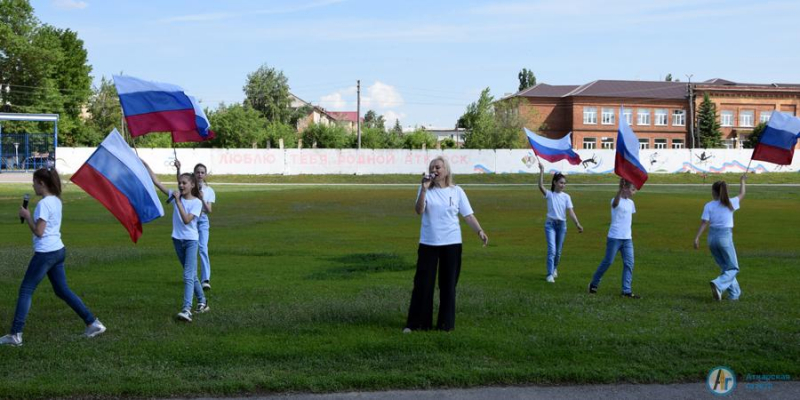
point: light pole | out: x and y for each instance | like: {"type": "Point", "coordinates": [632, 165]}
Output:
{"type": "Point", "coordinates": [691, 109]}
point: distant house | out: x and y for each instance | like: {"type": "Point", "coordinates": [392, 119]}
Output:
{"type": "Point", "coordinates": [658, 111]}
{"type": "Point", "coordinates": [456, 134]}
{"type": "Point", "coordinates": [347, 119]}
{"type": "Point", "coordinates": [317, 115]}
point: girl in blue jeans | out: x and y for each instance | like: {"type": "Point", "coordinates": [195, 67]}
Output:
{"type": "Point", "coordinates": [187, 209]}
{"type": "Point", "coordinates": [48, 258]}
{"type": "Point", "coordinates": [559, 204]}
{"type": "Point", "coordinates": [718, 216]}
{"type": "Point", "coordinates": [620, 239]}
{"type": "Point", "coordinates": [208, 197]}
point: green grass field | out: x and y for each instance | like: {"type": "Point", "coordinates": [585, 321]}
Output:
{"type": "Point", "coordinates": [311, 285]}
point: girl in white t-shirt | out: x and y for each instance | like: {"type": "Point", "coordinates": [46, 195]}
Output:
{"type": "Point", "coordinates": [718, 216]}
{"type": "Point", "coordinates": [559, 205]}
{"type": "Point", "coordinates": [208, 197]}
{"type": "Point", "coordinates": [187, 209]}
{"type": "Point", "coordinates": [439, 202]}
{"type": "Point", "coordinates": [48, 258]}
{"type": "Point", "coordinates": [619, 240]}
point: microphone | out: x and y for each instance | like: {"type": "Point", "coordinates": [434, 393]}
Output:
{"type": "Point", "coordinates": [25, 200]}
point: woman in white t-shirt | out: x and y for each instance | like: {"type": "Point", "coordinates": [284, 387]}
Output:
{"type": "Point", "coordinates": [48, 258]}
{"type": "Point", "coordinates": [187, 209]}
{"type": "Point", "coordinates": [718, 216]}
{"type": "Point", "coordinates": [439, 202]}
{"type": "Point", "coordinates": [208, 197]}
{"type": "Point", "coordinates": [559, 205]}
{"type": "Point", "coordinates": [619, 240]}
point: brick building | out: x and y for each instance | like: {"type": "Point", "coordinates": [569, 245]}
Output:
{"type": "Point", "coordinates": [659, 112]}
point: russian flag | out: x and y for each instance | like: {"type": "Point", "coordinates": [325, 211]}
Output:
{"type": "Point", "coordinates": [154, 106]}
{"type": "Point", "coordinates": [202, 133]}
{"type": "Point", "coordinates": [115, 176]}
{"type": "Point", "coordinates": [626, 162]}
{"type": "Point", "coordinates": [778, 139]}
{"type": "Point", "coordinates": [553, 150]}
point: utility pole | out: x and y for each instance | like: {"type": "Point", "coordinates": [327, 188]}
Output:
{"type": "Point", "coordinates": [690, 120]}
{"type": "Point", "coordinates": [358, 111]}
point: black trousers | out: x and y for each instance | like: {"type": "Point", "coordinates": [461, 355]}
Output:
{"type": "Point", "coordinates": [420, 312]}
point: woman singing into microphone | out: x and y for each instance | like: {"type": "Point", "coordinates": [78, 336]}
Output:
{"type": "Point", "coordinates": [439, 202]}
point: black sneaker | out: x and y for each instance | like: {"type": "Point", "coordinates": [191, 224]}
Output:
{"type": "Point", "coordinates": [592, 289]}
{"type": "Point", "coordinates": [631, 296]}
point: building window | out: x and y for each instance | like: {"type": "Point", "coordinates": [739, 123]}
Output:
{"type": "Point", "coordinates": [726, 118]}
{"type": "Point", "coordinates": [677, 143]}
{"type": "Point", "coordinates": [589, 143]}
{"type": "Point", "coordinates": [608, 143]}
{"type": "Point", "coordinates": [746, 117]}
{"type": "Point", "coordinates": [678, 117]}
{"type": "Point", "coordinates": [590, 115]}
{"type": "Point", "coordinates": [661, 117]}
{"type": "Point", "coordinates": [628, 113]}
{"type": "Point", "coordinates": [659, 143]}
{"type": "Point", "coordinates": [764, 116]}
{"type": "Point", "coordinates": [643, 116]}
{"type": "Point", "coordinates": [729, 143]}
{"type": "Point", "coordinates": [644, 144]}
{"type": "Point", "coordinates": [607, 116]}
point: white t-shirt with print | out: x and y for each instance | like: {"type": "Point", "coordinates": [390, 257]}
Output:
{"type": "Point", "coordinates": [179, 229]}
{"type": "Point", "coordinates": [440, 224]}
{"type": "Point", "coordinates": [49, 210]}
{"type": "Point", "coordinates": [718, 215]}
{"type": "Point", "coordinates": [621, 219]}
{"type": "Point", "coordinates": [557, 205]}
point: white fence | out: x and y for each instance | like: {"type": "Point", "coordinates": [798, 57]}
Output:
{"type": "Point", "coordinates": [365, 162]}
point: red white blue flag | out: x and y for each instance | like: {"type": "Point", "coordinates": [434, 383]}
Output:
{"type": "Point", "coordinates": [778, 139]}
{"type": "Point", "coordinates": [553, 150]}
{"type": "Point", "coordinates": [626, 162]}
{"type": "Point", "coordinates": [116, 177]}
{"type": "Point", "coordinates": [202, 133]}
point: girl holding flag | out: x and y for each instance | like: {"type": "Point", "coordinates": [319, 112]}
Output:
{"type": "Point", "coordinates": [718, 217]}
{"type": "Point", "coordinates": [187, 209]}
{"type": "Point", "coordinates": [48, 258]}
{"type": "Point", "coordinates": [559, 204]}
{"type": "Point", "coordinates": [207, 196]}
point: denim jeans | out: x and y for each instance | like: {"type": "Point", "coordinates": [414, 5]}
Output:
{"type": "Point", "coordinates": [555, 231]}
{"type": "Point", "coordinates": [187, 254]}
{"type": "Point", "coordinates": [720, 242]}
{"type": "Point", "coordinates": [205, 264]}
{"type": "Point", "coordinates": [613, 246]}
{"type": "Point", "coordinates": [52, 265]}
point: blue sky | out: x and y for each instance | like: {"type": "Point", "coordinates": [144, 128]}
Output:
{"type": "Point", "coordinates": [424, 61]}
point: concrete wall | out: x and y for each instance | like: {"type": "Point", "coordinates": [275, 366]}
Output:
{"type": "Point", "coordinates": [365, 162]}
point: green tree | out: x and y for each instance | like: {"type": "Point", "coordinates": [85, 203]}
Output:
{"type": "Point", "coordinates": [279, 130]}
{"type": "Point", "coordinates": [237, 126]}
{"type": "Point", "coordinates": [397, 129]}
{"type": "Point", "coordinates": [373, 120]}
{"type": "Point", "coordinates": [104, 111]}
{"type": "Point", "coordinates": [526, 79]}
{"type": "Point", "coordinates": [448, 143]}
{"type": "Point", "coordinates": [755, 136]}
{"type": "Point", "coordinates": [327, 136]}
{"type": "Point", "coordinates": [708, 125]}
{"type": "Point", "coordinates": [668, 78]}
{"type": "Point", "coordinates": [267, 91]}
{"type": "Point", "coordinates": [492, 125]}
{"type": "Point", "coordinates": [414, 140]}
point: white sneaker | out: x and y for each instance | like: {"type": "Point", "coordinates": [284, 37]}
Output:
{"type": "Point", "coordinates": [555, 273]}
{"type": "Point", "coordinates": [202, 308]}
{"type": "Point", "coordinates": [12, 339]}
{"type": "Point", "coordinates": [94, 329]}
{"type": "Point", "coordinates": [550, 279]}
{"type": "Point", "coordinates": [715, 292]}
{"type": "Point", "coordinates": [406, 330]}
{"type": "Point", "coordinates": [184, 315]}
{"type": "Point", "coordinates": [206, 285]}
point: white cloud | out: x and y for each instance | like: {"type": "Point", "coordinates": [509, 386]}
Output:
{"type": "Point", "coordinates": [334, 102]}
{"type": "Point", "coordinates": [70, 4]}
{"type": "Point", "coordinates": [381, 96]}
{"type": "Point", "coordinates": [390, 117]}
{"type": "Point", "coordinates": [221, 16]}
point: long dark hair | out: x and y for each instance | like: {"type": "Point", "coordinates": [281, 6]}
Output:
{"type": "Point", "coordinates": [195, 189]}
{"type": "Point", "coordinates": [720, 188]}
{"type": "Point", "coordinates": [204, 167]}
{"type": "Point", "coordinates": [50, 179]}
{"type": "Point", "coordinates": [556, 177]}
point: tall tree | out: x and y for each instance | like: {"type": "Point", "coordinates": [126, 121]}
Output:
{"type": "Point", "coordinates": [668, 78]}
{"type": "Point", "coordinates": [526, 79]}
{"type": "Point", "coordinates": [755, 136]}
{"type": "Point", "coordinates": [237, 126]}
{"type": "Point", "coordinates": [267, 91]}
{"type": "Point", "coordinates": [708, 124]}
{"type": "Point", "coordinates": [373, 120]}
